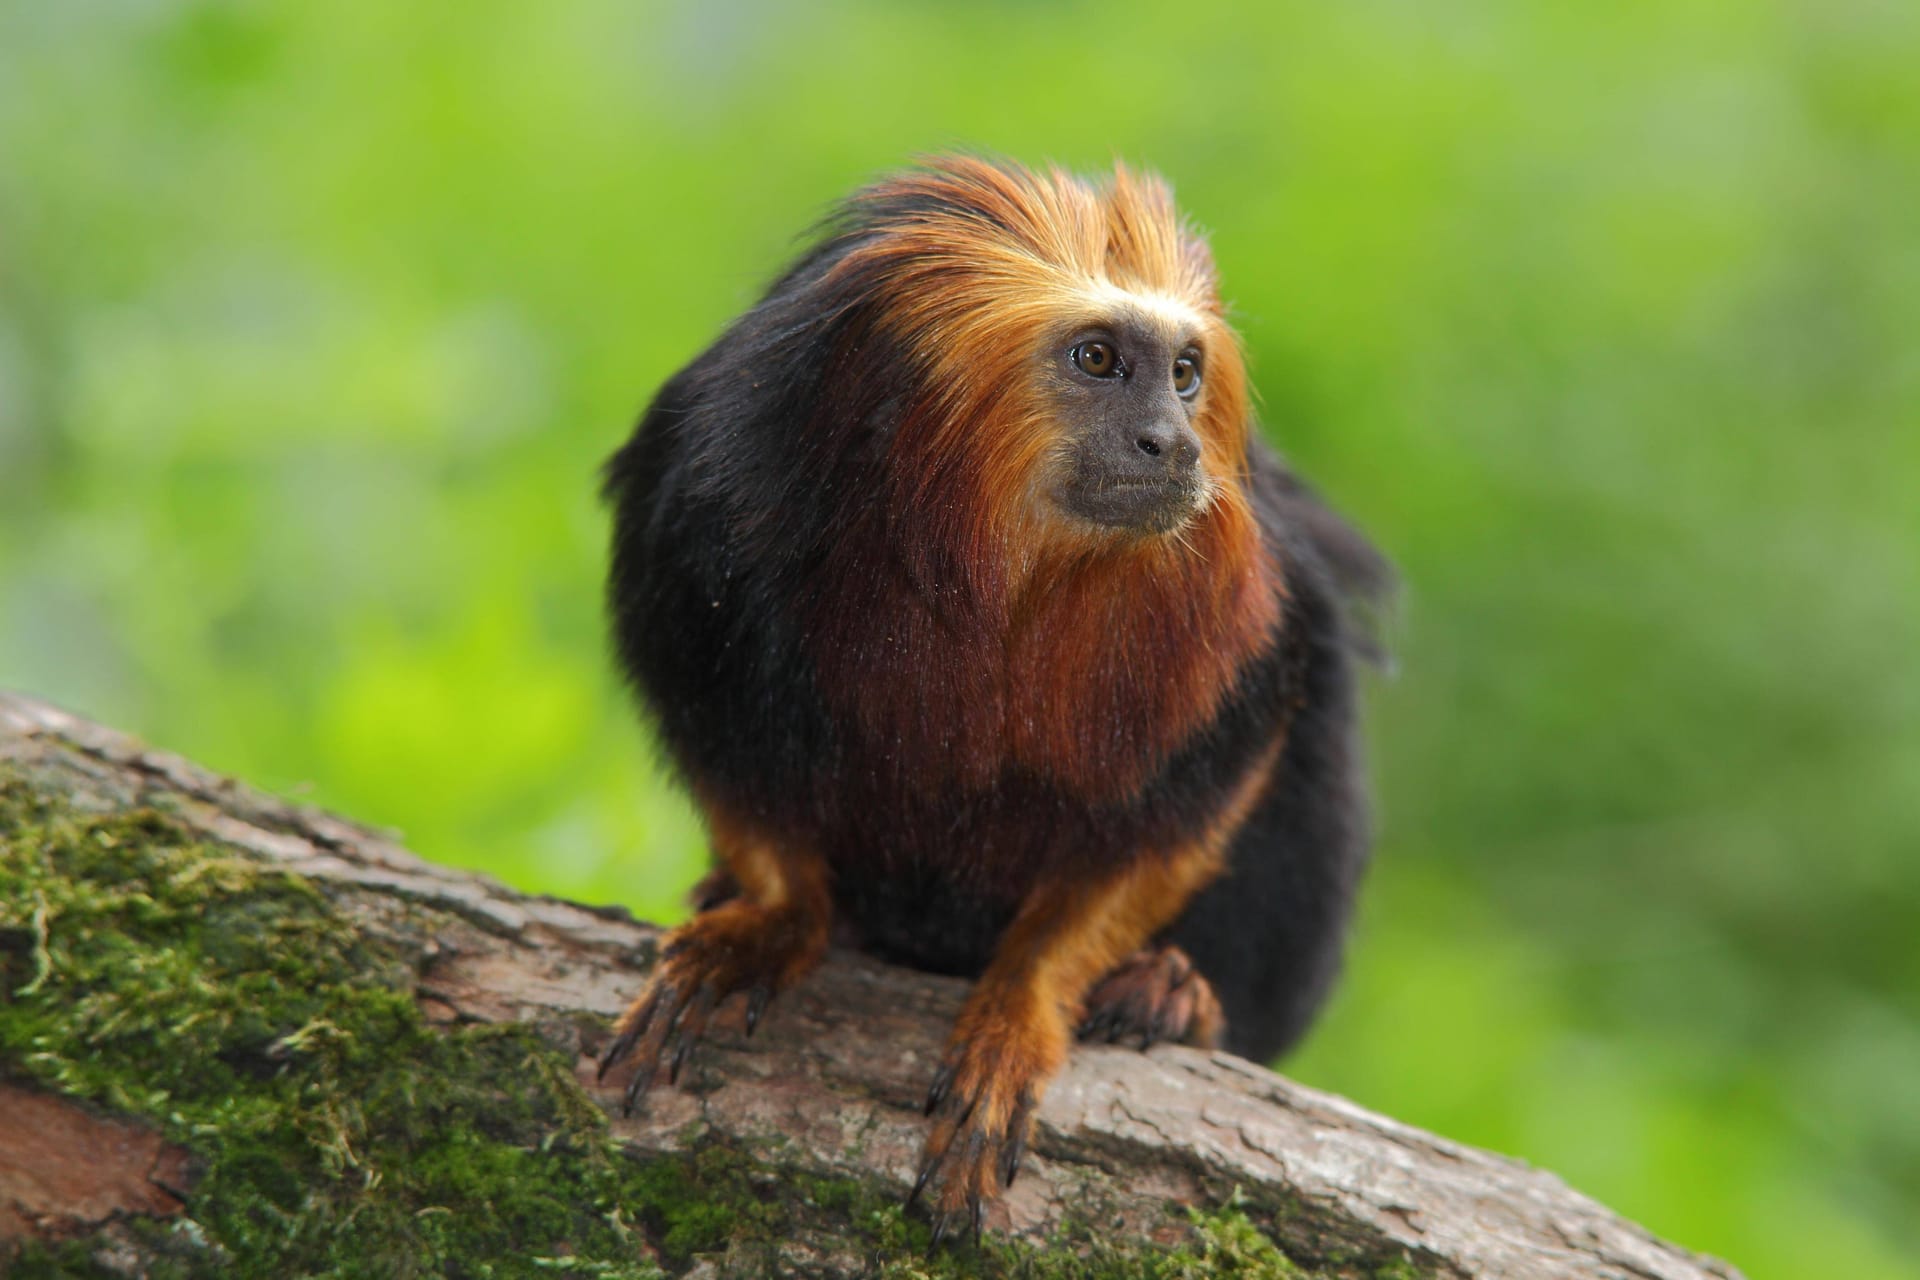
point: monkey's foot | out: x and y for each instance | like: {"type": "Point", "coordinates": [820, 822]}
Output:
{"type": "Point", "coordinates": [982, 1104]}
{"type": "Point", "coordinates": [1154, 994]}
{"type": "Point", "coordinates": [736, 947]}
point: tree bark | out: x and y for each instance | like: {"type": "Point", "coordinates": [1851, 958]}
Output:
{"type": "Point", "coordinates": [829, 1086]}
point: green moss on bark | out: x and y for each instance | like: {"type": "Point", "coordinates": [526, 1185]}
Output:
{"type": "Point", "coordinates": [236, 1008]}
{"type": "Point", "coordinates": [336, 1132]}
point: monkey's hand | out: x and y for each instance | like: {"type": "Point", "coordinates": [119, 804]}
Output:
{"type": "Point", "coordinates": [738, 946]}
{"type": "Point", "coordinates": [1005, 1047]}
{"type": "Point", "coordinates": [1155, 994]}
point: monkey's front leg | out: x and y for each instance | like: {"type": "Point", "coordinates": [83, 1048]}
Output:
{"type": "Point", "coordinates": [1013, 1034]}
{"type": "Point", "coordinates": [760, 941]}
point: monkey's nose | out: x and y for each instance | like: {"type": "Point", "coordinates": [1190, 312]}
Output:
{"type": "Point", "coordinates": [1174, 443]}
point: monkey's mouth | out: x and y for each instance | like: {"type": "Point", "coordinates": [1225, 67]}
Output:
{"type": "Point", "coordinates": [1140, 504]}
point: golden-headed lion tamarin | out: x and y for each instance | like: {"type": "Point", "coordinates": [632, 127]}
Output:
{"type": "Point", "coordinates": [981, 624]}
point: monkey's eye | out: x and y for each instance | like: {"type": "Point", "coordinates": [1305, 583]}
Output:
{"type": "Point", "coordinates": [1096, 359]}
{"type": "Point", "coordinates": [1186, 375]}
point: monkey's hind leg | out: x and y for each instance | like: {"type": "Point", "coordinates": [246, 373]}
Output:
{"type": "Point", "coordinates": [760, 942]}
{"type": "Point", "coordinates": [1154, 995]}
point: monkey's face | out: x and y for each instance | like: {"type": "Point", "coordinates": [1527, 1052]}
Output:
{"type": "Point", "coordinates": [1126, 396]}
{"type": "Point", "coordinates": [1071, 363]}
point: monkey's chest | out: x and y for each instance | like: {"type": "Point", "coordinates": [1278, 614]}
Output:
{"type": "Point", "coordinates": [1093, 683]}
{"type": "Point", "coordinates": [931, 877]}
{"type": "Point", "coordinates": [925, 916]}
{"type": "Point", "coordinates": [967, 766]}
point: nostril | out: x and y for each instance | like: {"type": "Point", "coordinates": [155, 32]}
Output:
{"type": "Point", "coordinates": [1148, 446]}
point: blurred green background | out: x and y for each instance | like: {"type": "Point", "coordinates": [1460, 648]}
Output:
{"type": "Point", "coordinates": [315, 321]}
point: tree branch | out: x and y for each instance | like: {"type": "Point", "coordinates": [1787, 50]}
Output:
{"type": "Point", "coordinates": [828, 1088]}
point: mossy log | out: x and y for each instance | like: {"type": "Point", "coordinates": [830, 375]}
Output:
{"type": "Point", "coordinates": [242, 1037]}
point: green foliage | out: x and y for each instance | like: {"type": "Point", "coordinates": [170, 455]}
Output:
{"type": "Point", "coordinates": [316, 319]}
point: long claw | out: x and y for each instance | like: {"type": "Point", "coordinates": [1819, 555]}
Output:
{"type": "Point", "coordinates": [681, 1008]}
{"type": "Point", "coordinates": [757, 1001]}
{"type": "Point", "coordinates": [941, 1225]}
{"type": "Point", "coordinates": [623, 1044]}
{"type": "Point", "coordinates": [920, 1183]}
{"type": "Point", "coordinates": [1010, 1158]}
{"type": "Point", "coordinates": [680, 1056]}
{"type": "Point", "coordinates": [620, 1048]}
{"type": "Point", "coordinates": [637, 1091]}
{"type": "Point", "coordinates": [977, 1213]}
{"type": "Point", "coordinates": [937, 1092]}
{"type": "Point", "coordinates": [976, 1144]}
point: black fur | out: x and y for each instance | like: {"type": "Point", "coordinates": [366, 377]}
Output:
{"type": "Point", "coordinates": [1268, 934]}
